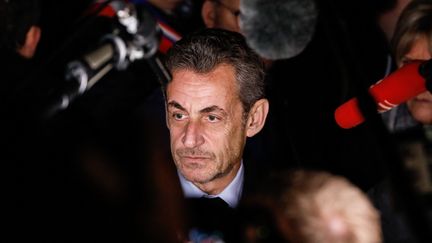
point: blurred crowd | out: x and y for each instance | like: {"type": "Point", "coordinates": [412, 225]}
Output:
{"type": "Point", "coordinates": [213, 121]}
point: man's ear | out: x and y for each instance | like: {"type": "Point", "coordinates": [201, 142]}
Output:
{"type": "Point", "coordinates": [30, 44]}
{"type": "Point", "coordinates": [257, 116]}
{"type": "Point", "coordinates": [208, 13]}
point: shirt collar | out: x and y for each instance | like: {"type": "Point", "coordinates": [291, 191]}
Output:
{"type": "Point", "coordinates": [231, 194]}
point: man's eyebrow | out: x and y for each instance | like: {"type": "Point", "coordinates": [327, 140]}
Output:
{"type": "Point", "coordinates": [176, 105]}
{"type": "Point", "coordinates": [212, 109]}
{"type": "Point", "coordinates": [209, 109]}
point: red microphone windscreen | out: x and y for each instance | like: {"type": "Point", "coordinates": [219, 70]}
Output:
{"type": "Point", "coordinates": [400, 86]}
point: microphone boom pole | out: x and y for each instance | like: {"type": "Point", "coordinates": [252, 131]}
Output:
{"type": "Point", "coordinates": [137, 38]}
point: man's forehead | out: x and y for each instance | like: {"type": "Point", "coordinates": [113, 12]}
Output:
{"type": "Point", "coordinates": [222, 76]}
{"type": "Point", "coordinates": [213, 89]}
{"type": "Point", "coordinates": [198, 101]}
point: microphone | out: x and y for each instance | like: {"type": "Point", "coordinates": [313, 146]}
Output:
{"type": "Point", "coordinates": [137, 38]}
{"type": "Point", "coordinates": [400, 86]}
{"type": "Point", "coordinates": [278, 29]}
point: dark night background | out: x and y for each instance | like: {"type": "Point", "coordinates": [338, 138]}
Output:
{"type": "Point", "coordinates": [92, 171]}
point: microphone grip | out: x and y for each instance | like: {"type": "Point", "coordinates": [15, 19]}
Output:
{"type": "Point", "coordinates": [81, 75]}
{"type": "Point", "coordinates": [425, 70]}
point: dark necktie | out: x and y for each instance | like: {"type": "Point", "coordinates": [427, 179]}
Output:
{"type": "Point", "coordinates": [216, 202]}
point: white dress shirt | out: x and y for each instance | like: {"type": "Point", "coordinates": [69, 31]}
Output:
{"type": "Point", "coordinates": [231, 194]}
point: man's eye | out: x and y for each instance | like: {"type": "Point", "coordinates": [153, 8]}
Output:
{"type": "Point", "coordinates": [178, 116]}
{"type": "Point", "coordinates": [212, 118]}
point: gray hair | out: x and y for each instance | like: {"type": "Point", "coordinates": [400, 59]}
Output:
{"type": "Point", "coordinates": [204, 50]}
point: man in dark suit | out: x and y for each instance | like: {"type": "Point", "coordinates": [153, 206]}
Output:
{"type": "Point", "coordinates": [214, 101]}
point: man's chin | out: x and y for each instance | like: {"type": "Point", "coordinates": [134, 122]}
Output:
{"type": "Point", "coordinates": [197, 176]}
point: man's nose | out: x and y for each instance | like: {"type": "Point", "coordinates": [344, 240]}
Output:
{"type": "Point", "coordinates": [193, 135]}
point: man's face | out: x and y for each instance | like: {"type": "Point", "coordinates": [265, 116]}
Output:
{"type": "Point", "coordinates": [204, 116]}
{"type": "Point", "coordinates": [167, 5]}
{"type": "Point", "coordinates": [226, 17]}
{"type": "Point", "coordinates": [222, 14]}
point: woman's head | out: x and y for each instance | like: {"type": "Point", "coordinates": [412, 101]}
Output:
{"type": "Point", "coordinates": [412, 41]}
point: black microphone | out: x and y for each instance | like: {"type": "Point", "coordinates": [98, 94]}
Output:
{"type": "Point", "coordinates": [278, 29]}
{"type": "Point", "coordinates": [425, 70]}
{"type": "Point", "coordinates": [136, 38]}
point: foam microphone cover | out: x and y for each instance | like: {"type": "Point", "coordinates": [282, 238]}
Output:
{"type": "Point", "coordinates": [278, 29]}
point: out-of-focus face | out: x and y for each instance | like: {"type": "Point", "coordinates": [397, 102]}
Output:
{"type": "Point", "coordinates": [227, 15]}
{"type": "Point", "coordinates": [205, 119]}
{"type": "Point", "coordinates": [421, 105]}
{"type": "Point", "coordinates": [167, 5]}
{"type": "Point", "coordinates": [222, 14]}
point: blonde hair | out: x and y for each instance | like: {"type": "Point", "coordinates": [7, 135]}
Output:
{"type": "Point", "coordinates": [320, 207]}
{"type": "Point", "coordinates": [414, 22]}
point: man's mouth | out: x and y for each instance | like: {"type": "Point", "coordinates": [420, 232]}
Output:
{"type": "Point", "coordinates": [195, 157]}
{"type": "Point", "coordinates": [194, 162]}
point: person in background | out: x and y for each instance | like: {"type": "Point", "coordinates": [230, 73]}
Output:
{"type": "Point", "coordinates": [398, 196]}
{"type": "Point", "coordinates": [316, 206]}
{"type": "Point", "coordinates": [19, 27]}
{"type": "Point", "coordinates": [181, 16]}
{"type": "Point", "coordinates": [221, 14]}
{"type": "Point", "coordinates": [412, 41]}
{"type": "Point", "coordinates": [320, 207]}
{"type": "Point", "coordinates": [19, 39]}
